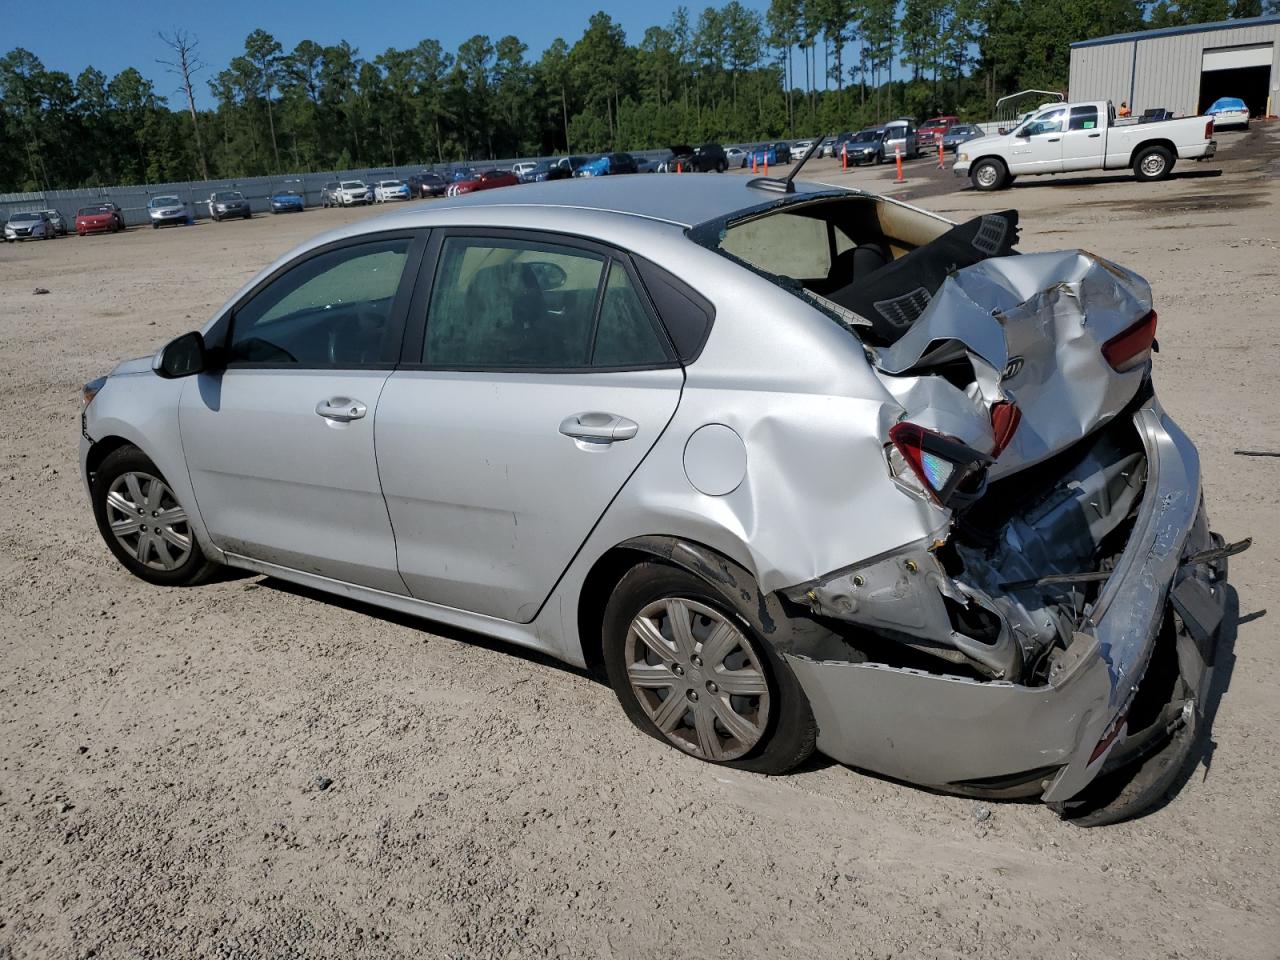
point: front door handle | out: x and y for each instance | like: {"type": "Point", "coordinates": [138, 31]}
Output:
{"type": "Point", "coordinates": [598, 427]}
{"type": "Point", "coordinates": [1054, 139]}
{"type": "Point", "coordinates": [341, 409]}
{"type": "Point", "coordinates": [1094, 136]}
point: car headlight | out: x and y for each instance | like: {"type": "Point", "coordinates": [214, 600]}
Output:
{"type": "Point", "coordinates": [962, 157]}
{"type": "Point", "coordinates": [91, 389]}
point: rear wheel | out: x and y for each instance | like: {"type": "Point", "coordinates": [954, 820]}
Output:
{"type": "Point", "coordinates": [989, 174]}
{"type": "Point", "coordinates": [690, 671]}
{"type": "Point", "coordinates": [1153, 163]}
{"type": "Point", "coordinates": [142, 522]}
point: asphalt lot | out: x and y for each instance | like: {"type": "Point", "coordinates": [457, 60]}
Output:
{"type": "Point", "coordinates": [162, 752]}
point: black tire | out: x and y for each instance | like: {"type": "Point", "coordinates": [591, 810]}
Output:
{"type": "Point", "coordinates": [1152, 163]}
{"type": "Point", "coordinates": [989, 174]}
{"type": "Point", "coordinates": [721, 166]}
{"type": "Point", "coordinates": [196, 568]}
{"type": "Point", "coordinates": [248, 216]}
{"type": "Point", "coordinates": [790, 730]}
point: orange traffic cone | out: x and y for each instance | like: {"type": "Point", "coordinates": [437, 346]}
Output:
{"type": "Point", "coordinates": [844, 156]}
{"type": "Point", "coordinates": [898, 156]}
{"type": "Point", "coordinates": [766, 164]}
{"type": "Point", "coordinates": [679, 168]}
{"type": "Point", "coordinates": [753, 161]}
{"type": "Point", "coordinates": [942, 162]}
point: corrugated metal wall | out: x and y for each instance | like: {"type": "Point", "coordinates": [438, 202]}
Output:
{"type": "Point", "coordinates": [1161, 71]}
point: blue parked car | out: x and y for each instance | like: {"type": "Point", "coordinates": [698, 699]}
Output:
{"type": "Point", "coordinates": [287, 201]}
{"type": "Point", "coordinates": [760, 155]}
{"type": "Point", "coordinates": [610, 163]}
{"type": "Point", "coordinates": [458, 174]}
{"type": "Point", "coordinates": [1229, 112]}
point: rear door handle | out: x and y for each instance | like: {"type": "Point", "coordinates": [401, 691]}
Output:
{"type": "Point", "coordinates": [598, 427]}
{"type": "Point", "coordinates": [341, 409]}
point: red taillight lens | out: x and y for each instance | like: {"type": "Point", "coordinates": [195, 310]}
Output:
{"type": "Point", "coordinates": [942, 465]}
{"type": "Point", "coordinates": [1005, 417]}
{"type": "Point", "coordinates": [1132, 347]}
{"type": "Point", "coordinates": [1208, 130]}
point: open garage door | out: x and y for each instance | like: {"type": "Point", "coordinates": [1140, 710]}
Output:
{"type": "Point", "coordinates": [1243, 72]}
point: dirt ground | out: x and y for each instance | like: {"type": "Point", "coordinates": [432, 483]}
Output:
{"type": "Point", "coordinates": [163, 753]}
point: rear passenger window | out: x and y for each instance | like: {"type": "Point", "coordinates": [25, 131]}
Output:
{"type": "Point", "coordinates": [1084, 118]}
{"type": "Point", "coordinates": [503, 304]}
{"type": "Point", "coordinates": [625, 336]}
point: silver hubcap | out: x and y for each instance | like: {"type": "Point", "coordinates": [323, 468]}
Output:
{"type": "Point", "coordinates": [698, 677]}
{"type": "Point", "coordinates": [987, 175]}
{"type": "Point", "coordinates": [147, 521]}
{"type": "Point", "coordinates": [1153, 165]}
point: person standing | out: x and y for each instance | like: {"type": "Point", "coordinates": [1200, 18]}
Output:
{"type": "Point", "coordinates": [1124, 110]}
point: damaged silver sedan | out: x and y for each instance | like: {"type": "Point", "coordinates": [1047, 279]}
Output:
{"type": "Point", "coordinates": [795, 470]}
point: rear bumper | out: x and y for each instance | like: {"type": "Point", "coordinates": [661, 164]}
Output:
{"type": "Point", "coordinates": [973, 736]}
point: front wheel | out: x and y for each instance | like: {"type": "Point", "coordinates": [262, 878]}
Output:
{"type": "Point", "coordinates": [989, 175]}
{"type": "Point", "coordinates": [143, 524]}
{"type": "Point", "coordinates": [1153, 163]}
{"type": "Point", "coordinates": [690, 671]}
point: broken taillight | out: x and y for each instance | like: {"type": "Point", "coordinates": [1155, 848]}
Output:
{"type": "Point", "coordinates": [1131, 347]}
{"type": "Point", "coordinates": [1005, 417]}
{"type": "Point", "coordinates": [944, 466]}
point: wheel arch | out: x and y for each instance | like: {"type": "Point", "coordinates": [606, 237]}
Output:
{"type": "Point", "coordinates": [990, 156]}
{"type": "Point", "coordinates": [100, 449]}
{"type": "Point", "coordinates": [1148, 144]}
{"type": "Point", "coordinates": [767, 613]}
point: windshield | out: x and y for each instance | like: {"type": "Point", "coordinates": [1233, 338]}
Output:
{"type": "Point", "coordinates": [392, 183]}
{"type": "Point", "coordinates": [867, 135]}
{"type": "Point", "coordinates": [227, 195]}
{"type": "Point", "coordinates": [23, 217]}
{"type": "Point", "coordinates": [352, 185]}
{"type": "Point", "coordinates": [89, 211]}
{"type": "Point", "coordinates": [286, 193]}
{"type": "Point", "coordinates": [165, 202]}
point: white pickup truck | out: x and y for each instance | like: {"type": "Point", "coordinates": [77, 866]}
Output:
{"type": "Point", "coordinates": [1068, 137]}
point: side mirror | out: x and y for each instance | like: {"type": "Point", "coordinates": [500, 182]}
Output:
{"type": "Point", "coordinates": [182, 356]}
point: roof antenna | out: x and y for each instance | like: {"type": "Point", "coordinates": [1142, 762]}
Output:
{"type": "Point", "coordinates": [785, 185]}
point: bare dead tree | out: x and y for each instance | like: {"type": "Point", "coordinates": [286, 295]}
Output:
{"type": "Point", "coordinates": [186, 64]}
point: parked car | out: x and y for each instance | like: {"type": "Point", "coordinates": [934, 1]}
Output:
{"type": "Point", "coordinates": [424, 185]}
{"type": "Point", "coordinates": [1228, 112]}
{"type": "Point", "coordinates": [458, 174]}
{"type": "Point", "coordinates": [166, 211]}
{"type": "Point", "coordinates": [56, 218]}
{"type": "Point", "coordinates": [760, 155]}
{"type": "Point", "coordinates": [710, 157]}
{"type": "Point", "coordinates": [958, 134]}
{"type": "Point", "coordinates": [933, 129]}
{"type": "Point", "coordinates": [565, 167]}
{"type": "Point", "coordinates": [1069, 137]}
{"type": "Point", "coordinates": [801, 147]}
{"type": "Point", "coordinates": [865, 146]}
{"type": "Point", "coordinates": [99, 218]}
{"type": "Point", "coordinates": [782, 151]}
{"type": "Point", "coordinates": [900, 138]}
{"type": "Point", "coordinates": [836, 148]}
{"type": "Point", "coordinates": [386, 190]}
{"type": "Point", "coordinates": [771, 531]}
{"type": "Point", "coordinates": [29, 225]}
{"type": "Point", "coordinates": [228, 205]}
{"type": "Point", "coordinates": [329, 194]}
{"type": "Point", "coordinates": [733, 156]}
{"type": "Point", "coordinates": [353, 192]}
{"type": "Point", "coordinates": [609, 164]}
{"type": "Point", "coordinates": [485, 180]}
{"type": "Point", "coordinates": [536, 173]}
{"type": "Point", "coordinates": [287, 200]}
{"type": "Point", "coordinates": [523, 168]}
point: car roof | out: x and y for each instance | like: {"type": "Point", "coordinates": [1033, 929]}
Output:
{"type": "Point", "coordinates": [682, 201]}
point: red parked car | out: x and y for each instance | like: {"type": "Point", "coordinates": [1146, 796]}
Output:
{"type": "Point", "coordinates": [484, 181]}
{"type": "Point", "coordinates": [932, 130]}
{"type": "Point", "coordinates": [99, 218]}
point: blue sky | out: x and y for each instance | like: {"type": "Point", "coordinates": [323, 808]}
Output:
{"type": "Point", "coordinates": [72, 34]}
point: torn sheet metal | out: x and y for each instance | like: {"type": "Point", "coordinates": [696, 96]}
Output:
{"type": "Point", "coordinates": [1032, 327]}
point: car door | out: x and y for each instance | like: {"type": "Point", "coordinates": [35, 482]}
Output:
{"type": "Point", "coordinates": [540, 382]}
{"type": "Point", "coordinates": [1037, 144]}
{"type": "Point", "coordinates": [279, 441]}
{"type": "Point", "coordinates": [1083, 143]}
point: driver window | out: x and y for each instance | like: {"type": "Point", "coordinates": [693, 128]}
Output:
{"type": "Point", "coordinates": [331, 310]}
{"type": "Point", "coordinates": [1046, 123]}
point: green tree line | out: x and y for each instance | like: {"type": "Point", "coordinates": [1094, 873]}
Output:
{"type": "Point", "coordinates": [726, 74]}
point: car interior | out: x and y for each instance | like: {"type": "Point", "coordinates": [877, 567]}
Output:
{"type": "Point", "coordinates": [883, 262]}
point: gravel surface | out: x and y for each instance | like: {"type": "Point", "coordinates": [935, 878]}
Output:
{"type": "Point", "coordinates": [247, 769]}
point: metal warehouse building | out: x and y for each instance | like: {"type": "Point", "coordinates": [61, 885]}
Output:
{"type": "Point", "coordinates": [1183, 69]}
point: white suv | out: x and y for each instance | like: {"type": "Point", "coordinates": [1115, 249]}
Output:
{"type": "Point", "coordinates": [351, 192]}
